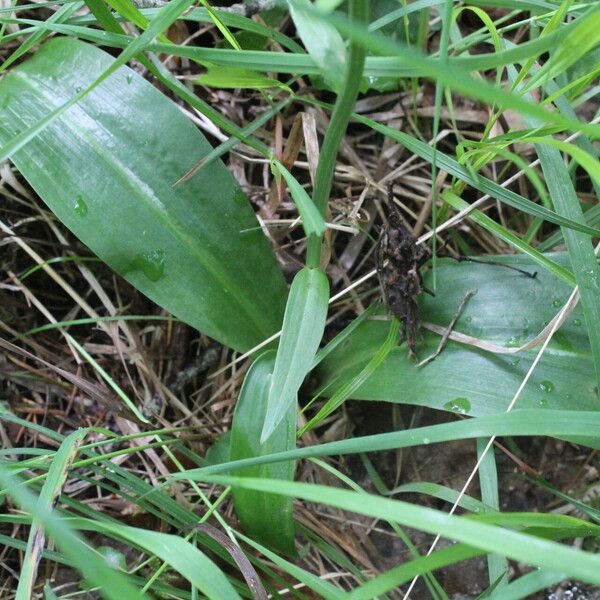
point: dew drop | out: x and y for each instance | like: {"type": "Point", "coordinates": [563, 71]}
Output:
{"type": "Point", "coordinates": [80, 206]}
{"type": "Point", "coordinates": [79, 88]}
{"type": "Point", "coordinates": [458, 405]}
{"type": "Point", "coordinates": [468, 319]}
{"type": "Point", "coordinates": [129, 78]}
{"type": "Point", "coordinates": [542, 402]}
{"type": "Point", "coordinates": [151, 264]}
{"type": "Point", "coordinates": [546, 386]}
{"type": "Point", "coordinates": [577, 322]}
{"type": "Point", "coordinates": [556, 303]}
{"type": "Point", "coordinates": [426, 441]}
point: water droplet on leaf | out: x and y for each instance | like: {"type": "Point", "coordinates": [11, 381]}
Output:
{"type": "Point", "coordinates": [151, 264]}
{"type": "Point", "coordinates": [458, 405]}
{"type": "Point", "coordinates": [80, 206]}
{"type": "Point", "coordinates": [546, 386]}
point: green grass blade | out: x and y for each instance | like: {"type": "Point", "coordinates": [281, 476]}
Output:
{"type": "Point", "coordinates": [312, 221]}
{"type": "Point", "coordinates": [114, 585]}
{"type": "Point", "coordinates": [514, 545]}
{"type": "Point", "coordinates": [452, 167]}
{"type": "Point", "coordinates": [488, 483]}
{"type": "Point", "coordinates": [510, 238]}
{"type": "Point", "coordinates": [523, 422]}
{"type": "Point", "coordinates": [57, 474]}
{"type": "Point", "coordinates": [346, 391]}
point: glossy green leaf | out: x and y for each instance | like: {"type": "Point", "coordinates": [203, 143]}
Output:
{"type": "Point", "coordinates": [303, 325]}
{"type": "Point", "coordinates": [267, 518]}
{"type": "Point", "coordinates": [507, 309]}
{"type": "Point", "coordinates": [106, 169]}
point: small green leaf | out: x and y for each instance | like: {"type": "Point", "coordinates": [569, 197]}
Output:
{"type": "Point", "coordinates": [266, 517]}
{"type": "Point", "coordinates": [234, 77]}
{"type": "Point", "coordinates": [312, 221]}
{"type": "Point", "coordinates": [322, 41]}
{"type": "Point", "coordinates": [303, 326]}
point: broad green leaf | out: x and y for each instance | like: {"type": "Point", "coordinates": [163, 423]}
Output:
{"type": "Point", "coordinates": [303, 325]}
{"type": "Point", "coordinates": [507, 309]}
{"type": "Point", "coordinates": [267, 518]}
{"type": "Point", "coordinates": [322, 41]}
{"type": "Point", "coordinates": [106, 169]}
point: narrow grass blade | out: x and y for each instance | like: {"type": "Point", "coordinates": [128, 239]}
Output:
{"type": "Point", "coordinates": [266, 517]}
{"type": "Point", "coordinates": [579, 246]}
{"type": "Point", "coordinates": [523, 422]}
{"type": "Point", "coordinates": [312, 221]}
{"type": "Point", "coordinates": [488, 483]}
{"type": "Point", "coordinates": [182, 556]}
{"type": "Point", "coordinates": [454, 168]}
{"type": "Point", "coordinates": [346, 391]}
{"type": "Point", "coordinates": [114, 585]}
{"type": "Point", "coordinates": [57, 475]}
{"type": "Point", "coordinates": [303, 326]}
{"type": "Point", "coordinates": [510, 238]}
{"type": "Point", "coordinates": [320, 586]}
{"type": "Point", "coordinates": [491, 538]}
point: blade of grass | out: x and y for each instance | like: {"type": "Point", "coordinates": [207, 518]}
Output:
{"type": "Point", "coordinates": [518, 546]}
{"type": "Point", "coordinates": [359, 10]}
{"type": "Point", "coordinates": [114, 585]}
{"type": "Point", "coordinates": [510, 238]}
{"type": "Point", "coordinates": [346, 391]}
{"type": "Point", "coordinates": [57, 475]}
{"type": "Point", "coordinates": [523, 422]}
{"type": "Point", "coordinates": [488, 483]}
